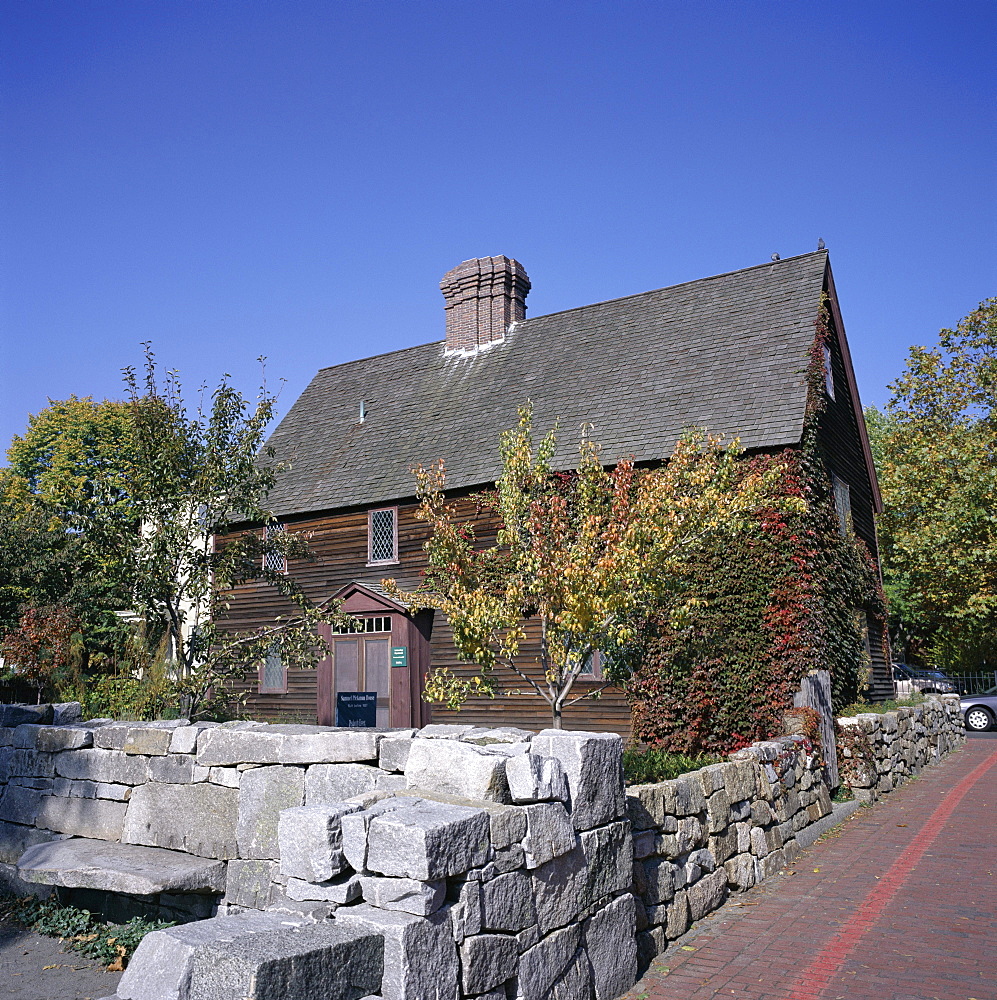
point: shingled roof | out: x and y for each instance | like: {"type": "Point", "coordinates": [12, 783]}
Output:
{"type": "Point", "coordinates": [727, 353]}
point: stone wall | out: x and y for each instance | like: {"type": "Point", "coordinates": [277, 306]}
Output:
{"type": "Point", "coordinates": [448, 863]}
{"type": "Point", "coordinates": [876, 753]}
{"type": "Point", "coordinates": [718, 830]}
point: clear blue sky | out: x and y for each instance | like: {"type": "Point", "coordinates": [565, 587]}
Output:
{"type": "Point", "coordinates": [231, 179]}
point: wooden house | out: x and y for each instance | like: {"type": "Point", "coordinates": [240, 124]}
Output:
{"type": "Point", "coordinates": [728, 353]}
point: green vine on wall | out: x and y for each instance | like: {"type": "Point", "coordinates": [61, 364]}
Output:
{"type": "Point", "coordinates": [790, 596]}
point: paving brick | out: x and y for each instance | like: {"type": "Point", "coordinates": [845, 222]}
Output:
{"type": "Point", "coordinates": [928, 932]}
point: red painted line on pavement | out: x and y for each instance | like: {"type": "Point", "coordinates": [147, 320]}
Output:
{"type": "Point", "coordinates": [830, 960]}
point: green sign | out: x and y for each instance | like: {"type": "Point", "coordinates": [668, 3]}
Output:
{"type": "Point", "coordinates": [399, 656]}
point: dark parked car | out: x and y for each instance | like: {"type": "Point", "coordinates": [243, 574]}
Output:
{"type": "Point", "coordinates": [916, 680]}
{"type": "Point", "coordinates": [979, 710]}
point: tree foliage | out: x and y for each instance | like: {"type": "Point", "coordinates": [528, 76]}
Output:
{"type": "Point", "coordinates": [42, 643]}
{"type": "Point", "coordinates": [937, 459]}
{"type": "Point", "coordinates": [72, 462]}
{"type": "Point", "coordinates": [135, 501]}
{"type": "Point", "coordinates": [589, 555]}
{"type": "Point", "coordinates": [65, 468]}
{"type": "Point", "coordinates": [195, 475]}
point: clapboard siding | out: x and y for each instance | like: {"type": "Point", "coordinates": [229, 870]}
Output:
{"type": "Point", "coordinates": [519, 704]}
{"type": "Point", "coordinates": [840, 443]}
{"type": "Point", "coordinates": [338, 544]}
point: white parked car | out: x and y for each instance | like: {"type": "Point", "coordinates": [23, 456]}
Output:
{"type": "Point", "coordinates": [915, 680]}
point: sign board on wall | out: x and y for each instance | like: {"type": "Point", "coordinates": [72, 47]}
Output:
{"type": "Point", "coordinates": [399, 656]}
{"type": "Point", "coordinates": [356, 709]}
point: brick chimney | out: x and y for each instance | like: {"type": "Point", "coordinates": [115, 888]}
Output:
{"type": "Point", "coordinates": [484, 297]}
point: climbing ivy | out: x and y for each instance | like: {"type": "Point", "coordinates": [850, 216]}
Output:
{"type": "Point", "coordinates": [789, 595]}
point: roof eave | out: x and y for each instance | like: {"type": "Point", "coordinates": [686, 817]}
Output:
{"type": "Point", "coordinates": [839, 326]}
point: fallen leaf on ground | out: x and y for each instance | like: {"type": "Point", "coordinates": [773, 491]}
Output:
{"type": "Point", "coordinates": [45, 968]}
{"type": "Point", "coordinates": [688, 947]}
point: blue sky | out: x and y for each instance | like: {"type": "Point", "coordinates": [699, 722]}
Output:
{"type": "Point", "coordinates": [235, 179]}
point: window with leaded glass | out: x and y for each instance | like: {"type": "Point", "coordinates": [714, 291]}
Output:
{"type": "Point", "coordinates": [592, 667]}
{"type": "Point", "coordinates": [272, 676]}
{"type": "Point", "coordinates": [382, 536]}
{"type": "Point", "coordinates": [272, 560]}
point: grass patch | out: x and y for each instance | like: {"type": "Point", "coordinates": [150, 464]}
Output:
{"type": "Point", "coordinates": [110, 944]}
{"type": "Point", "coordinates": [641, 766]}
{"type": "Point", "coordinates": [879, 707]}
{"type": "Point", "coordinates": [843, 794]}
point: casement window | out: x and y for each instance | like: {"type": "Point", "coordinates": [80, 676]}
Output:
{"type": "Point", "coordinates": [382, 536]}
{"type": "Point", "coordinates": [842, 503]}
{"type": "Point", "coordinates": [828, 372]}
{"type": "Point", "coordinates": [273, 674]}
{"type": "Point", "coordinates": [274, 562]}
{"type": "Point", "coordinates": [592, 667]}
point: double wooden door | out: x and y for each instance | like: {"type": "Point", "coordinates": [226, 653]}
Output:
{"type": "Point", "coordinates": [363, 663]}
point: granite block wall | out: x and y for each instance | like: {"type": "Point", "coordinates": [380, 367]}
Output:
{"type": "Point", "coordinates": [453, 862]}
{"type": "Point", "coordinates": [878, 752]}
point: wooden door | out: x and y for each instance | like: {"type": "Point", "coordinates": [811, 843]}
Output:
{"type": "Point", "coordinates": [377, 676]}
{"type": "Point", "coordinates": [364, 664]}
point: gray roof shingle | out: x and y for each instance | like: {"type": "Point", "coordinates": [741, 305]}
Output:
{"type": "Point", "coordinates": [727, 353]}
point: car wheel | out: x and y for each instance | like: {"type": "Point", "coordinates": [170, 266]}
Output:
{"type": "Point", "coordinates": [978, 719]}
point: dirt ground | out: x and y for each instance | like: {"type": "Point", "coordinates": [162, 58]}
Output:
{"type": "Point", "coordinates": [33, 967]}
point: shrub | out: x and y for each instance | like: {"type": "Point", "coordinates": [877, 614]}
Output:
{"type": "Point", "coordinates": [879, 707]}
{"type": "Point", "coordinates": [650, 764]}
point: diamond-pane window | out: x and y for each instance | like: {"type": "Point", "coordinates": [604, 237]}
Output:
{"type": "Point", "coordinates": [273, 561]}
{"type": "Point", "coordinates": [592, 667]}
{"type": "Point", "coordinates": [273, 672]}
{"type": "Point", "coordinates": [382, 536]}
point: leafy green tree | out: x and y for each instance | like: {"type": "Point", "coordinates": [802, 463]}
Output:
{"type": "Point", "coordinates": [589, 555]}
{"type": "Point", "coordinates": [129, 507]}
{"type": "Point", "coordinates": [71, 462]}
{"type": "Point", "coordinates": [63, 470]}
{"type": "Point", "coordinates": [937, 460]}
{"type": "Point", "coordinates": [195, 475]}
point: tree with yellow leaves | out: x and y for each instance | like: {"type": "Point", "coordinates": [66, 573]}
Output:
{"type": "Point", "coordinates": [592, 555]}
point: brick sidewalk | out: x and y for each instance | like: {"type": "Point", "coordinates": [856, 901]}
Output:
{"type": "Point", "coordinates": [902, 906]}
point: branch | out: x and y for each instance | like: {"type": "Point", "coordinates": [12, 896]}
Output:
{"type": "Point", "coordinates": [588, 694]}
{"type": "Point", "coordinates": [529, 680]}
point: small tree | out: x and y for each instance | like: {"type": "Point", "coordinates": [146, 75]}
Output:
{"type": "Point", "coordinates": [591, 555]}
{"type": "Point", "coordinates": [189, 479]}
{"type": "Point", "coordinates": [41, 644]}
